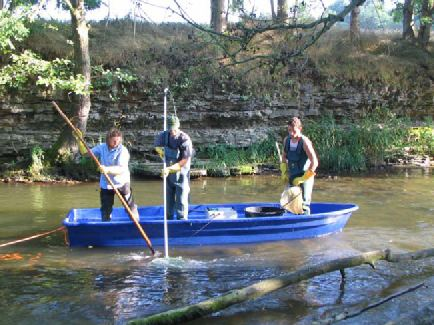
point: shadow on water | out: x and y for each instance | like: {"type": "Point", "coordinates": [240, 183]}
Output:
{"type": "Point", "coordinates": [46, 281]}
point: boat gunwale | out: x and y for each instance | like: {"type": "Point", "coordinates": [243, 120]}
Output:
{"type": "Point", "coordinates": [286, 216]}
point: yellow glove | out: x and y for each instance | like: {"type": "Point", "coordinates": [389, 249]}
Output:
{"type": "Point", "coordinates": [81, 147]}
{"type": "Point", "coordinates": [160, 151]}
{"type": "Point", "coordinates": [284, 172]}
{"type": "Point", "coordinates": [171, 169]}
{"type": "Point", "coordinates": [298, 180]}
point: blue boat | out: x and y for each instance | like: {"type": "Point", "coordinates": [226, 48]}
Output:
{"type": "Point", "coordinates": [208, 224]}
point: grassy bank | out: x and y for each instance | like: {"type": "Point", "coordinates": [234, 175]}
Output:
{"type": "Point", "coordinates": [179, 55]}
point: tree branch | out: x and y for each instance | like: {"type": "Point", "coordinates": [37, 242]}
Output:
{"type": "Point", "coordinates": [261, 288]}
{"type": "Point", "coordinates": [373, 305]}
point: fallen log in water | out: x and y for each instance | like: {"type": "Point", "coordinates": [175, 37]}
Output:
{"type": "Point", "coordinates": [261, 288]}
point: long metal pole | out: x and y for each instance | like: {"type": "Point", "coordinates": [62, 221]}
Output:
{"type": "Point", "coordinates": [124, 203]}
{"type": "Point", "coordinates": [166, 235]}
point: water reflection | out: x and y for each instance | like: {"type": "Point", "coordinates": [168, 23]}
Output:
{"type": "Point", "coordinates": [51, 283]}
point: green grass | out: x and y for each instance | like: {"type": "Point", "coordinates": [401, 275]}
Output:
{"type": "Point", "coordinates": [377, 138]}
{"type": "Point", "coordinates": [348, 146]}
{"type": "Point", "coordinates": [230, 156]}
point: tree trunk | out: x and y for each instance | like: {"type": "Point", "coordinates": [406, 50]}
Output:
{"type": "Point", "coordinates": [273, 12]}
{"type": "Point", "coordinates": [425, 23]}
{"type": "Point", "coordinates": [282, 11]}
{"type": "Point", "coordinates": [218, 17]}
{"type": "Point", "coordinates": [1, 4]}
{"type": "Point", "coordinates": [82, 102]}
{"type": "Point", "coordinates": [355, 26]}
{"type": "Point", "coordinates": [261, 288]}
{"type": "Point", "coordinates": [407, 21]}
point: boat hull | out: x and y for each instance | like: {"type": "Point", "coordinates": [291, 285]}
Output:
{"type": "Point", "coordinates": [85, 227]}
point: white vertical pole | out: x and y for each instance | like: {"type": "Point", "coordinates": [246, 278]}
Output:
{"type": "Point", "coordinates": [166, 236]}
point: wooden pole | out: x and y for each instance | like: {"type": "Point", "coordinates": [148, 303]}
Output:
{"type": "Point", "coordinates": [261, 288]}
{"type": "Point", "coordinates": [121, 198]}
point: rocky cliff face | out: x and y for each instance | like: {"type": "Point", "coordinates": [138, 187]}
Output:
{"type": "Point", "coordinates": [28, 121]}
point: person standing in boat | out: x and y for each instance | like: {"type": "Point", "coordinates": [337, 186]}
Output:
{"type": "Point", "coordinates": [114, 158]}
{"type": "Point", "coordinates": [176, 148]}
{"type": "Point", "coordinates": [301, 160]}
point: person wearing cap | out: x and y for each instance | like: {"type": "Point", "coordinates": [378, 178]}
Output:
{"type": "Point", "coordinates": [301, 160]}
{"type": "Point", "coordinates": [176, 148]}
{"type": "Point", "coordinates": [114, 158]}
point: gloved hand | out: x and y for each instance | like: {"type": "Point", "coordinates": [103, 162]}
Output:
{"type": "Point", "coordinates": [307, 174]}
{"type": "Point", "coordinates": [160, 151]}
{"type": "Point", "coordinates": [113, 170]}
{"type": "Point", "coordinates": [284, 172]}
{"type": "Point", "coordinates": [81, 147]}
{"type": "Point", "coordinates": [171, 169]}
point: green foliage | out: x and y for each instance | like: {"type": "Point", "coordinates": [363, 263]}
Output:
{"type": "Point", "coordinates": [372, 15]}
{"type": "Point", "coordinates": [426, 20]}
{"type": "Point", "coordinates": [12, 29]}
{"type": "Point", "coordinates": [25, 68]}
{"type": "Point", "coordinates": [397, 12]}
{"type": "Point", "coordinates": [236, 6]}
{"type": "Point", "coordinates": [29, 67]}
{"type": "Point", "coordinates": [20, 3]}
{"type": "Point", "coordinates": [112, 79]}
{"type": "Point", "coordinates": [88, 4]}
{"type": "Point", "coordinates": [36, 166]}
{"type": "Point", "coordinates": [420, 139]}
{"type": "Point", "coordinates": [356, 146]}
{"type": "Point", "coordinates": [230, 156]}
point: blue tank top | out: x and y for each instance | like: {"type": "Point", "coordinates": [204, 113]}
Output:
{"type": "Point", "coordinates": [297, 159]}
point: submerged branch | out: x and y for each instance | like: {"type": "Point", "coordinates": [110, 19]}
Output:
{"type": "Point", "coordinates": [261, 288]}
{"type": "Point", "coordinates": [376, 304]}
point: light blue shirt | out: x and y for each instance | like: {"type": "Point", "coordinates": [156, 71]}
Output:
{"type": "Point", "coordinates": [118, 156]}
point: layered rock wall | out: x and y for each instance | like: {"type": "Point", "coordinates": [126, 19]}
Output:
{"type": "Point", "coordinates": [28, 121]}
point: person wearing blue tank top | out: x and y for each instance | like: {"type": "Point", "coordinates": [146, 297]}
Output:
{"type": "Point", "coordinates": [176, 148]}
{"type": "Point", "coordinates": [301, 160]}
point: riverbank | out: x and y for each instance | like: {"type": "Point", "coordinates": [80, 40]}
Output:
{"type": "Point", "coordinates": [152, 170]}
{"type": "Point", "coordinates": [219, 105]}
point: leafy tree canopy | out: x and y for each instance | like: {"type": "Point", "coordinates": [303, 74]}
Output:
{"type": "Point", "coordinates": [22, 68]}
{"type": "Point", "coordinates": [12, 29]}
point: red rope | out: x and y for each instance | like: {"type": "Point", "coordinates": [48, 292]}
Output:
{"type": "Point", "coordinates": [32, 237]}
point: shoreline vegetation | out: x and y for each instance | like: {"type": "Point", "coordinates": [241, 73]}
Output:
{"type": "Point", "coordinates": [379, 141]}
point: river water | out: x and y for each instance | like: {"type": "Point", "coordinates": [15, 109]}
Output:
{"type": "Point", "coordinates": [44, 281]}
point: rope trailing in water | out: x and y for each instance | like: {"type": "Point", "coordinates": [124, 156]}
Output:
{"type": "Point", "coordinates": [32, 237]}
